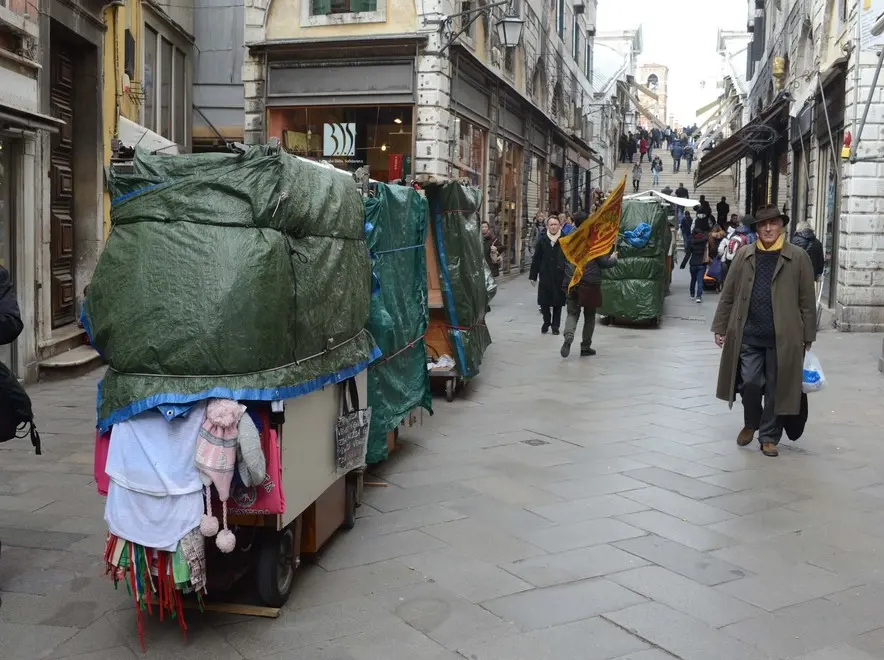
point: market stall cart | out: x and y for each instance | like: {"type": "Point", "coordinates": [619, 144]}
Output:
{"type": "Point", "coordinates": [459, 289]}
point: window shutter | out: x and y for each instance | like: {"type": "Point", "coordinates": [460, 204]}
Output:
{"type": "Point", "coordinates": [363, 5]}
{"type": "Point", "coordinates": [321, 7]}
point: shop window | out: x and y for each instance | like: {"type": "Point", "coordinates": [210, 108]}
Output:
{"type": "Point", "coordinates": [349, 137]}
{"type": "Point", "coordinates": [166, 90]}
{"type": "Point", "coordinates": [470, 152]}
{"type": "Point", "coordinates": [149, 82]}
{"type": "Point", "coordinates": [829, 201]}
{"type": "Point", "coordinates": [327, 7]}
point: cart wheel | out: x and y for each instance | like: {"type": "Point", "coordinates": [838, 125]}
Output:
{"type": "Point", "coordinates": [350, 505]}
{"type": "Point", "coordinates": [276, 567]}
{"type": "Point", "coordinates": [450, 386]}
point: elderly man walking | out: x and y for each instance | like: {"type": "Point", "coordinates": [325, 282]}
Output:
{"type": "Point", "coordinates": [765, 321]}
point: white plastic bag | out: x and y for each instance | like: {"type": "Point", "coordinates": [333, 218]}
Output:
{"type": "Point", "coordinates": [814, 379]}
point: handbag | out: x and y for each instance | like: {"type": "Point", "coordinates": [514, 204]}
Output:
{"type": "Point", "coordinates": [794, 425]}
{"type": "Point", "coordinates": [268, 497]}
{"type": "Point", "coordinates": [99, 462]}
{"type": "Point", "coordinates": [351, 429]}
{"type": "Point", "coordinates": [16, 412]}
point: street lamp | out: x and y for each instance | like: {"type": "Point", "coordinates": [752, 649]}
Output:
{"type": "Point", "coordinates": [509, 28]}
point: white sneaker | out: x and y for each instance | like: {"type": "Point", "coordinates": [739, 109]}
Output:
{"type": "Point", "coordinates": [699, 300]}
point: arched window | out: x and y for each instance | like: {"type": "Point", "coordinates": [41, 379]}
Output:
{"type": "Point", "coordinates": [653, 82]}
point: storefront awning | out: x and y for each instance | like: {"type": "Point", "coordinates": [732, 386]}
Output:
{"type": "Point", "coordinates": [756, 136]}
{"type": "Point", "coordinates": [136, 135]}
{"type": "Point", "coordinates": [19, 117]}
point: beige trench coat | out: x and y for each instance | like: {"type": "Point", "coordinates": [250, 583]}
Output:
{"type": "Point", "coordinates": [794, 309]}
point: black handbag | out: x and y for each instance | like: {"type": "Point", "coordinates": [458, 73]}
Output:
{"type": "Point", "coordinates": [16, 412]}
{"type": "Point", "coordinates": [794, 425]}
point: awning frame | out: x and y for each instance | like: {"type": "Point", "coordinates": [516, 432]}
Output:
{"type": "Point", "coordinates": [755, 137]}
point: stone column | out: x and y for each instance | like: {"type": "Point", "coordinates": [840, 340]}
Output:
{"type": "Point", "coordinates": [253, 72]}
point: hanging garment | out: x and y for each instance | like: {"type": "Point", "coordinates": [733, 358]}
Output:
{"type": "Point", "coordinates": [151, 521]}
{"type": "Point", "coordinates": [151, 455]}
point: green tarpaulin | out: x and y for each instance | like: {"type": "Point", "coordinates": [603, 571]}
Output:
{"type": "Point", "coordinates": [454, 213]}
{"type": "Point", "coordinates": [397, 223]}
{"type": "Point", "coordinates": [238, 275]}
{"type": "Point", "coordinates": [635, 288]}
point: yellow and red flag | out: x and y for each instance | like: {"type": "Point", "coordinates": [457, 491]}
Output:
{"type": "Point", "coordinates": [596, 236]}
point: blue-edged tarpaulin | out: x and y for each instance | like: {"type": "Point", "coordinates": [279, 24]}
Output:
{"type": "Point", "coordinates": [456, 227]}
{"type": "Point", "coordinates": [399, 382]}
{"type": "Point", "coordinates": [245, 276]}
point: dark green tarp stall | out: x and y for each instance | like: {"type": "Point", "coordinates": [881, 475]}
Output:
{"type": "Point", "coordinates": [635, 288]}
{"type": "Point", "coordinates": [229, 275]}
{"type": "Point", "coordinates": [397, 222]}
{"type": "Point", "coordinates": [454, 215]}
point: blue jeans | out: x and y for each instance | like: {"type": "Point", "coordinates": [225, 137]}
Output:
{"type": "Point", "coordinates": [655, 178]}
{"type": "Point", "coordinates": [697, 273]}
{"type": "Point", "coordinates": [689, 165]}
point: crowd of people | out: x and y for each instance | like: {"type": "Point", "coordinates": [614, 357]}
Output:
{"type": "Point", "coordinates": [680, 144]}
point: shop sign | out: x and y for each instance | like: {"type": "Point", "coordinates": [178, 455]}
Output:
{"type": "Point", "coordinates": [339, 140]}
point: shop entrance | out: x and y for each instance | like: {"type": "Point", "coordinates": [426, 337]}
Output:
{"type": "Point", "coordinates": [61, 174]}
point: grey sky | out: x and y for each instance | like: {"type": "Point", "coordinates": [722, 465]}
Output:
{"type": "Point", "coordinates": [680, 34]}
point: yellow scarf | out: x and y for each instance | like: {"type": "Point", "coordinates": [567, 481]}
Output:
{"type": "Point", "coordinates": [776, 247]}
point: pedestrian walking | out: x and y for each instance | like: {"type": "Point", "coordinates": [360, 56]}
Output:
{"type": "Point", "coordinates": [491, 249]}
{"type": "Point", "coordinates": [567, 224]}
{"type": "Point", "coordinates": [585, 297]}
{"type": "Point", "coordinates": [765, 321]}
{"type": "Point", "coordinates": [643, 149]}
{"type": "Point", "coordinates": [632, 147]}
{"type": "Point", "coordinates": [697, 253]}
{"type": "Point", "coordinates": [723, 208]}
{"type": "Point", "coordinates": [636, 177]}
{"type": "Point", "coordinates": [688, 155]}
{"type": "Point", "coordinates": [806, 239]}
{"type": "Point", "coordinates": [682, 193]}
{"type": "Point", "coordinates": [10, 328]}
{"type": "Point", "coordinates": [546, 267]}
{"type": "Point", "coordinates": [656, 168]}
{"type": "Point", "coordinates": [677, 152]}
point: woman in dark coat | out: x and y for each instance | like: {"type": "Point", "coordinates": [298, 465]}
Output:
{"type": "Point", "coordinates": [547, 267]}
{"type": "Point", "coordinates": [807, 241]}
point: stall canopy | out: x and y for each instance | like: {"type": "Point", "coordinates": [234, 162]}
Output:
{"type": "Point", "coordinates": [756, 136]}
{"type": "Point", "coordinates": [397, 224]}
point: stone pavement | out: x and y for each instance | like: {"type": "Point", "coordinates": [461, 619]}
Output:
{"type": "Point", "coordinates": [587, 509]}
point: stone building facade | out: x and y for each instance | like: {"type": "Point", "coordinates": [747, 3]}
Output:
{"type": "Point", "coordinates": [440, 96]}
{"type": "Point", "coordinates": [809, 70]}
{"type": "Point", "coordinates": [655, 78]}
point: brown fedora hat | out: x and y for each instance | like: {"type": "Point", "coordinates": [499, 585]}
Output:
{"type": "Point", "coordinates": [768, 212]}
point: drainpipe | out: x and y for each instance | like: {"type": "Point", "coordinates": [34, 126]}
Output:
{"type": "Point", "coordinates": [115, 7]}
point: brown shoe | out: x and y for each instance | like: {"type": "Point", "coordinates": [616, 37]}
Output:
{"type": "Point", "coordinates": [769, 449]}
{"type": "Point", "coordinates": [745, 436]}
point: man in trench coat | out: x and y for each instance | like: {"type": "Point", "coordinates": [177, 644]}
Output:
{"type": "Point", "coordinates": [765, 321]}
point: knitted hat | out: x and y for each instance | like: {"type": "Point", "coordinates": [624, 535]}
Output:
{"type": "Point", "coordinates": [250, 461]}
{"type": "Point", "coordinates": [216, 460]}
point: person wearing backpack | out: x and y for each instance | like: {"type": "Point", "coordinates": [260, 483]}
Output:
{"type": "Point", "coordinates": [16, 414]}
{"type": "Point", "coordinates": [10, 328]}
{"type": "Point", "coordinates": [10, 317]}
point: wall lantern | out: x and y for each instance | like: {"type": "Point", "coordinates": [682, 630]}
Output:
{"type": "Point", "coordinates": [509, 29]}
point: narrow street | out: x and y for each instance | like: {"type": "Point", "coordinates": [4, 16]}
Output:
{"type": "Point", "coordinates": [593, 508]}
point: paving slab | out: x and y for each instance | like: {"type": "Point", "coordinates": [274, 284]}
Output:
{"type": "Point", "coordinates": [553, 606]}
{"type": "Point", "coordinates": [582, 508]}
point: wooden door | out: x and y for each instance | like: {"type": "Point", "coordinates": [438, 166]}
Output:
{"type": "Point", "coordinates": [61, 174]}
